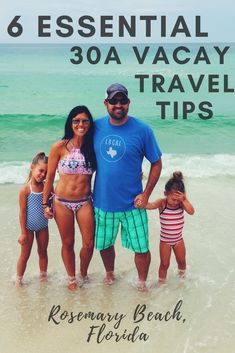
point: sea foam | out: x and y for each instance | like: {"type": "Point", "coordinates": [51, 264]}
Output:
{"type": "Point", "coordinates": [193, 166]}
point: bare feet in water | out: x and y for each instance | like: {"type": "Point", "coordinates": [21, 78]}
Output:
{"type": "Point", "coordinates": [43, 276]}
{"type": "Point", "coordinates": [110, 278]}
{"type": "Point", "coordinates": [19, 282]}
{"type": "Point", "coordinates": [72, 284]}
{"type": "Point", "coordinates": [160, 282]}
{"type": "Point", "coordinates": [142, 287]}
{"type": "Point", "coordinates": [181, 273]}
{"type": "Point", "coordinates": [83, 279]}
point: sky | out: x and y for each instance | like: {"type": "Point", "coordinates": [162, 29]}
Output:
{"type": "Point", "coordinates": [217, 19]}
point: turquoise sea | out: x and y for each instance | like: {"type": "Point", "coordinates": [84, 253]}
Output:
{"type": "Point", "coordinates": [39, 85]}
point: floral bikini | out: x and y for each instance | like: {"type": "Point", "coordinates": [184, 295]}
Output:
{"type": "Point", "coordinates": [74, 163]}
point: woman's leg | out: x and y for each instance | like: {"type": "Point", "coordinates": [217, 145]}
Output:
{"type": "Point", "coordinates": [23, 258]}
{"type": "Point", "coordinates": [165, 254]}
{"type": "Point", "coordinates": [65, 222]}
{"type": "Point", "coordinates": [42, 237]}
{"type": "Point", "coordinates": [180, 255]}
{"type": "Point", "coordinates": [85, 219]}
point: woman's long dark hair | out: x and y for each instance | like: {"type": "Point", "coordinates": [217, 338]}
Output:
{"type": "Point", "coordinates": [87, 148]}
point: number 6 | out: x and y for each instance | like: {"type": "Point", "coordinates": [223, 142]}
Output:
{"type": "Point", "coordinates": [17, 25]}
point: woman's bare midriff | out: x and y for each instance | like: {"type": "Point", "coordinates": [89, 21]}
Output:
{"type": "Point", "coordinates": [73, 187]}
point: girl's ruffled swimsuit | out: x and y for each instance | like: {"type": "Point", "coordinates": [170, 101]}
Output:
{"type": "Point", "coordinates": [74, 163]}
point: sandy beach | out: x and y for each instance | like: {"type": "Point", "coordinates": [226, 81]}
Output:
{"type": "Point", "coordinates": [205, 298]}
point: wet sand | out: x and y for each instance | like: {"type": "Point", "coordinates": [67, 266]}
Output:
{"type": "Point", "coordinates": [202, 322]}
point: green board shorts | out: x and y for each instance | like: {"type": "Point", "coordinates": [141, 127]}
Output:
{"type": "Point", "coordinates": [134, 229]}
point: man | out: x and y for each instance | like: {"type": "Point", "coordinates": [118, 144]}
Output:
{"type": "Point", "coordinates": [121, 142]}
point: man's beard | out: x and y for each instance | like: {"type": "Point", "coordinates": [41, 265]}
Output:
{"type": "Point", "coordinates": [119, 117]}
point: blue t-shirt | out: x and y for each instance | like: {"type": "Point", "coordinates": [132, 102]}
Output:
{"type": "Point", "coordinates": [119, 152]}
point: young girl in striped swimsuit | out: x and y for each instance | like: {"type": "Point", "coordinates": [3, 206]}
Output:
{"type": "Point", "coordinates": [171, 211]}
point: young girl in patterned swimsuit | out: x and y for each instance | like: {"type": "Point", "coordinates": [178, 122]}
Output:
{"type": "Point", "coordinates": [171, 210]}
{"type": "Point", "coordinates": [32, 220]}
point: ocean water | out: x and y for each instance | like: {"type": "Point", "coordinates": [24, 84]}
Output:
{"type": "Point", "coordinates": [38, 87]}
{"type": "Point", "coordinates": [199, 149]}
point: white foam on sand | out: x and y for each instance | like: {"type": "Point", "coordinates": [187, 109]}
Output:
{"type": "Point", "coordinates": [193, 166]}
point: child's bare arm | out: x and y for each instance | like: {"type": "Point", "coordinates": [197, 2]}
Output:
{"type": "Point", "coordinates": [22, 216]}
{"type": "Point", "coordinates": [154, 205]}
{"type": "Point", "coordinates": [187, 206]}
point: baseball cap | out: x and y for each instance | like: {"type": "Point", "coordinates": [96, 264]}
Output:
{"type": "Point", "coordinates": [116, 88]}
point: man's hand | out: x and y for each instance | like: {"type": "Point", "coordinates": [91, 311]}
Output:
{"type": "Point", "coordinates": [141, 201]}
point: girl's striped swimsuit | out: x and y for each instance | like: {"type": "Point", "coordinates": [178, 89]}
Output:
{"type": "Point", "coordinates": [172, 223]}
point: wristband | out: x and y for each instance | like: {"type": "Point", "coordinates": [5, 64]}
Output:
{"type": "Point", "coordinates": [45, 205]}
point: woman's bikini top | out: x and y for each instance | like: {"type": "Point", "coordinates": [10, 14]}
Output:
{"type": "Point", "coordinates": [74, 163]}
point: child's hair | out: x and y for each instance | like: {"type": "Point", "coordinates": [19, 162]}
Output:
{"type": "Point", "coordinates": [39, 157]}
{"type": "Point", "coordinates": [175, 182]}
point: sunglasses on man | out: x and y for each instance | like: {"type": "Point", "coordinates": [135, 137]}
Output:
{"type": "Point", "coordinates": [114, 101]}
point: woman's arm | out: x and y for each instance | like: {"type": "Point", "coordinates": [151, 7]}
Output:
{"type": "Point", "coordinates": [53, 159]}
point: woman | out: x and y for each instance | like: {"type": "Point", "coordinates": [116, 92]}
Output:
{"type": "Point", "coordinates": [74, 158]}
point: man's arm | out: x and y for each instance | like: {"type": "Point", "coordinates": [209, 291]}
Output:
{"type": "Point", "coordinates": [154, 174]}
